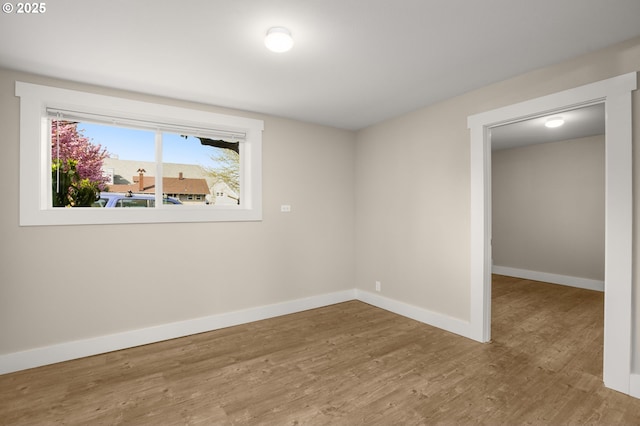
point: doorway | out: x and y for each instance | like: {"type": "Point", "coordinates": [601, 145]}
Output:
{"type": "Point", "coordinates": [548, 198]}
{"type": "Point", "coordinates": [615, 93]}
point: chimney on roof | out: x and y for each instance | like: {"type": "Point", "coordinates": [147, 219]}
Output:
{"type": "Point", "coordinates": [180, 176]}
{"type": "Point", "coordinates": [141, 179]}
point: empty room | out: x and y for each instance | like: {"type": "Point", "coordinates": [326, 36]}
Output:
{"type": "Point", "coordinates": [244, 212]}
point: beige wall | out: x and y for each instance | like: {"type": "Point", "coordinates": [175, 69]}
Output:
{"type": "Point", "coordinates": [64, 283]}
{"type": "Point", "coordinates": [410, 180]}
{"type": "Point", "coordinates": [412, 184]}
{"type": "Point", "coordinates": [412, 227]}
{"type": "Point", "coordinates": [548, 207]}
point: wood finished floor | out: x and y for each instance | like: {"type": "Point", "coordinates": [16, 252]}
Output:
{"type": "Point", "coordinates": [346, 364]}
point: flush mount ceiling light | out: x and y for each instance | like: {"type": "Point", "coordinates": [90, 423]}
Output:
{"type": "Point", "coordinates": [554, 122]}
{"type": "Point", "coordinates": [278, 39]}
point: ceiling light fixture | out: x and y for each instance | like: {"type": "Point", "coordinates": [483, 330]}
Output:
{"type": "Point", "coordinates": [554, 122]}
{"type": "Point", "coordinates": [278, 39]}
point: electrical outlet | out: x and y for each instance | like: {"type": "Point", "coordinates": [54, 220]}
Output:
{"type": "Point", "coordinates": [285, 208]}
{"type": "Point", "coordinates": [378, 286]}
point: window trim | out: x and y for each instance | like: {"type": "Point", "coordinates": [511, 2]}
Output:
{"type": "Point", "coordinates": [35, 100]}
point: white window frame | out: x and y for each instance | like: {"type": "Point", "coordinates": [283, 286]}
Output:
{"type": "Point", "coordinates": [35, 175]}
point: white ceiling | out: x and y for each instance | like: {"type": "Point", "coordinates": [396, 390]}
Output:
{"type": "Point", "coordinates": [354, 63]}
{"type": "Point", "coordinates": [578, 123]}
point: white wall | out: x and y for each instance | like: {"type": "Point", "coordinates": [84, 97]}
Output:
{"type": "Point", "coordinates": [60, 284]}
{"type": "Point", "coordinates": [548, 208]}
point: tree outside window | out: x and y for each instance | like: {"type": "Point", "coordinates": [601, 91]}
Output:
{"type": "Point", "coordinates": [76, 166]}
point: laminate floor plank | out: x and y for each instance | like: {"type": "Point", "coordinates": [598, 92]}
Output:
{"type": "Point", "coordinates": [346, 364]}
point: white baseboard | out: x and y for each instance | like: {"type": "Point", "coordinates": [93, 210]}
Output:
{"type": "Point", "coordinates": [549, 278]}
{"type": "Point", "coordinates": [634, 385]}
{"type": "Point", "coordinates": [87, 347]}
{"type": "Point", "coordinates": [81, 348]}
{"type": "Point", "coordinates": [453, 325]}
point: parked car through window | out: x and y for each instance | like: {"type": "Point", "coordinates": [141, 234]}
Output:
{"type": "Point", "coordinates": [123, 199]}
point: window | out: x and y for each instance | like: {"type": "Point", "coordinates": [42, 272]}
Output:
{"type": "Point", "coordinates": [183, 165]}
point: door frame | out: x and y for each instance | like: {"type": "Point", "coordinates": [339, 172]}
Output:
{"type": "Point", "coordinates": [615, 93]}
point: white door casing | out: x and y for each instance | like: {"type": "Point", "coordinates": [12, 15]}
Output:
{"type": "Point", "coordinates": [615, 93]}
